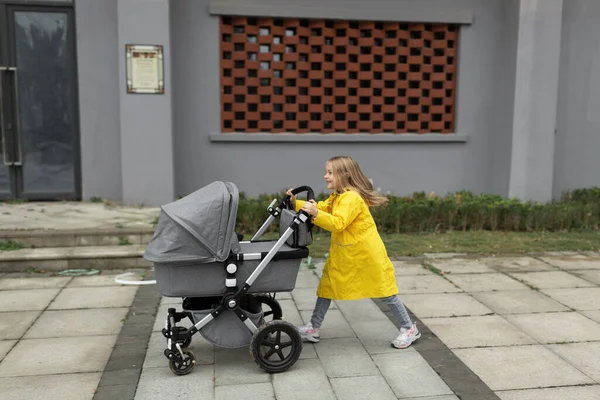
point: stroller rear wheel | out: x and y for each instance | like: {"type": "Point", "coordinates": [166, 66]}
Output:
{"type": "Point", "coordinates": [275, 309]}
{"type": "Point", "coordinates": [185, 366]}
{"type": "Point", "coordinates": [276, 346]}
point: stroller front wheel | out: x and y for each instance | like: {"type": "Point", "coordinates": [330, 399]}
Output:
{"type": "Point", "coordinates": [183, 366]}
{"type": "Point", "coordinates": [186, 342]}
{"type": "Point", "coordinates": [276, 346]}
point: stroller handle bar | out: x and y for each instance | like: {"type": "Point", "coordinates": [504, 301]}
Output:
{"type": "Point", "coordinates": [274, 212]}
{"type": "Point", "coordinates": [300, 189]}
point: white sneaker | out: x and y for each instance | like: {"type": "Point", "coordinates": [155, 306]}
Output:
{"type": "Point", "coordinates": [406, 337]}
{"type": "Point", "coordinates": [310, 334]}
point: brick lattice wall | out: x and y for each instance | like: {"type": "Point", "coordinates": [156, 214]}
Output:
{"type": "Point", "coordinates": [291, 75]}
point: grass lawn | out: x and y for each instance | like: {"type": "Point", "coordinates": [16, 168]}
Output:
{"type": "Point", "coordinates": [474, 242]}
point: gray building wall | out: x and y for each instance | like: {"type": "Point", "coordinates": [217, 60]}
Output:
{"type": "Point", "coordinates": [400, 167]}
{"type": "Point", "coordinates": [150, 149]}
{"type": "Point", "coordinates": [577, 163]}
{"type": "Point", "coordinates": [126, 139]}
{"type": "Point", "coordinates": [98, 71]}
{"type": "Point", "coordinates": [505, 76]}
{"type": "Point", "coordinates": [146, 119]}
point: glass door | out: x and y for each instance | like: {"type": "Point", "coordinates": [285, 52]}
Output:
{"type": "Point", "coordinates": [41, 157]}
{"type": "Point", "coordinates": [7, 174]}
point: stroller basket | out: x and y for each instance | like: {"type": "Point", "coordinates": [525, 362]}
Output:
{"type": "Point", "coordinates": [197, 256]}
{"type": "Point", "coordinates": [230, 332]}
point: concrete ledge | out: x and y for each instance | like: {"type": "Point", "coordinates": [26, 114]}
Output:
{"type": "Point", "coordinates": [339, 137]}
{"type": "Point", "coordinates": [78, 237]}
{"type": "Point", "coordinates": [61, 258]}
{"type": "Point", "coordinates": [399, 10]}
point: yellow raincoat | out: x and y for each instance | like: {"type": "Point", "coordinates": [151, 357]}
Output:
{"type": "Point", "coordinates": [358, 265]}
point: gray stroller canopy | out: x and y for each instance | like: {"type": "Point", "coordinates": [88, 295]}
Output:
{"type": "Point", "coordinates": [197, 228]}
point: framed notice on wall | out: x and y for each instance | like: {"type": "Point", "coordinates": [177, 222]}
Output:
{"type": "Point", "coordinates": [144, 69]}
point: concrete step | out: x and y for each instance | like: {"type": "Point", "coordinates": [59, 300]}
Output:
{"type": "Point", "coordinates": [63, 258]}
{"type": "Point", "coordinates": [78, 237]}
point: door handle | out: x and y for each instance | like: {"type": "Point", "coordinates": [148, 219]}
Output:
{"type": "Point", "coordinates": [16, 124]}
{"type": "Point", "coordinates": [2, 132]}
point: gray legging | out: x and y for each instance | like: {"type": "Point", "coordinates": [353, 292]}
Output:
{"type": "Point", "coordinates": [393, 302]}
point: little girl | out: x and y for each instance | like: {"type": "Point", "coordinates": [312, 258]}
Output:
{"type": "Point", "coordinates": [358, 265]}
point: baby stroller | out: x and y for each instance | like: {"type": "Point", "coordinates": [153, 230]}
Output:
{"type": "Point", "coordinates": [223, 281]}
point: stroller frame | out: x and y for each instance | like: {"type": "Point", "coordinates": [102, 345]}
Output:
{"type": "Point", "coordinates": [182, 362]}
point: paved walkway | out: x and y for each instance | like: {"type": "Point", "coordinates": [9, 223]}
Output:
{"type": "Point", "coordinates": [509, 328]}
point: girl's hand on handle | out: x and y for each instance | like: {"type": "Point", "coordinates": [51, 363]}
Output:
{"type": "Point", "coordinates": [310, 207]}
{"type": "Point", "coordinates": [292, 198]}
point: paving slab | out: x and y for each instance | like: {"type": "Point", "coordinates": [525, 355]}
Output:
{"type": "Point", "coordinates": [290, 312]}
{"type": "Point", "coordinates": [518, 302]}
{"type": "Point", "coordinates": [308, 351]}
{"type": "Point", "coordinates": [530, 367]}
{"type": "Point", "coordinates": [5, 347]}
{"type": "Point", "coordinates": [68, 323]}
{"type": "Point", "coordinates": [362, 387]}
{"type": "Point", "coordinates": [236, 367]}
{"type": "Point", "coordinates": [376, 336]}
{"type": "Point", "coordinates": [592, 276]}
{"type": "Point", "coordinates": [307, 280]}
{"type": "Point", "coordinates": [593, 315]}
{"type": "Point", "coordinates": [256, 391]}
{"type": "Point", "coordinates": [558, 393]}
{"type": "Point", "coordinates": [578, 299]}
{"type": "Point", "coordinates": [305, 299]}
{"type": "Point", "coordinates": [424, 284]}
{"type": "Point", "coordinates": [517, 264]}
{"type": "Point", "coordinates": [345, 357]}
{"type": "Point", "coordinates": [409, 375]}
{"type": "Point", "coordinates": [33, 283]}
{"type": "Point", "coordinates": [573, 262]}
{"type": "Point", "coordinates": [161, 383]}
{"type": "Point", "coordinates": [544, 328]}
{"type": "Point", "coordinates": [94, 297]}
{"type": "Point", "coordinates": [334, 325]}
{"type": "Point", "coordinates": [410, 268]}
{"type": "Point", "coordinates": [583, 356]}
{"type": "Point", "coordinates": [477, 331]}
{"type": "Point", "coordinates": [363, 310]}
{"type": "Point", "coordinates": [551, 279]}
{"type": "Point", "coordinates": [460, 266]}
{"type": "Point", "coordinates": [99, 280]}
{"type": "Point", "coordinates": [66, 386]}
{"type": "Point", "coordinates": [58, 356]}
{"type": "Point", "coordinates": [444, 305]}
{"type": "Point", "coordinates": [14, 324]}
{"type": "Point", "coordinates": [486, 282]}
{"type": "Point", "coordinates": [305, 380]}
{"type": "Point", "coordinates": [26, 300]}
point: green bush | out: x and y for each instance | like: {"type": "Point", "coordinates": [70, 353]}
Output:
{"type": "Point", "coordinates": [461, 211]}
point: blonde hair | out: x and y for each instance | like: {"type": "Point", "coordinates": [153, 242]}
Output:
{"type": "Point", "coordinates": [348, 175]}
